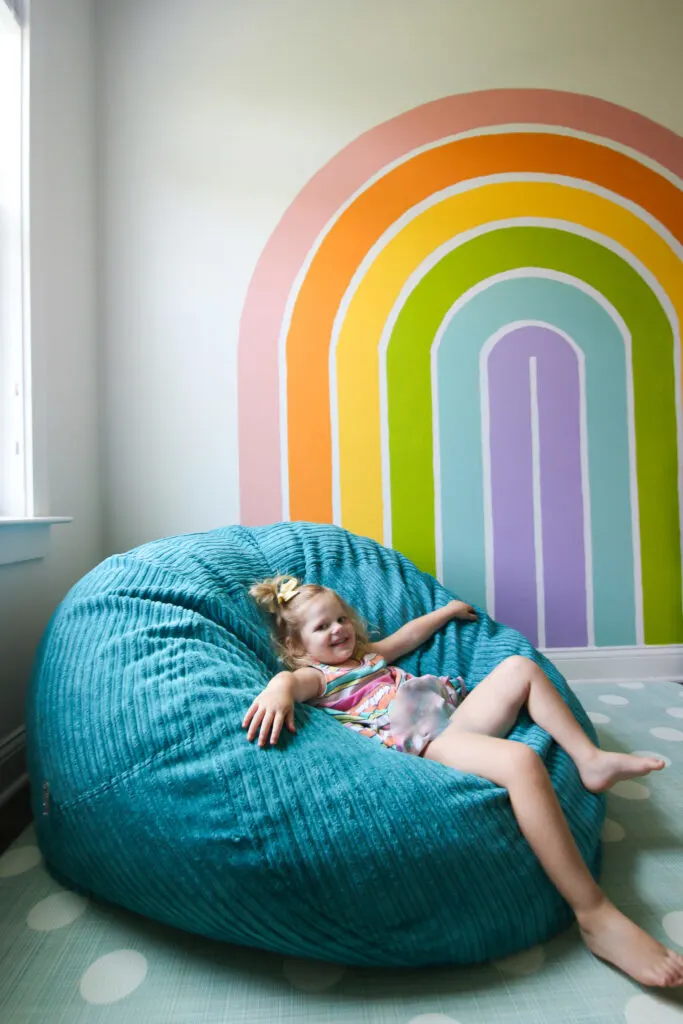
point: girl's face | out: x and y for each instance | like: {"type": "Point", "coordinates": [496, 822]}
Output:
{"type": "Point", "coordinates": [327, 633]}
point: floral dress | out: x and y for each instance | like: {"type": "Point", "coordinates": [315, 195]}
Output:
{"type": "Point", "coordinates": [387, 704]}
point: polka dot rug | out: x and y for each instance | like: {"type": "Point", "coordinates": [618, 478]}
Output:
{"type": "Point", "coordinates": [66, 960]}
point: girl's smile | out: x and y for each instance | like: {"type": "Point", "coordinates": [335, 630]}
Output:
{"type": "Point", "coordinates": [327, 634]}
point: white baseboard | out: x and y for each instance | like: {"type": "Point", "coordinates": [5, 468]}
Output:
{"type": "Point", "coordinates": [13, 773]}
{"type": "Point", "coordinates": [619, 664]}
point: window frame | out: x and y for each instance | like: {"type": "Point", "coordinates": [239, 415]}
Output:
{"type": "Point", "coordinates": [24, 534]}
{"type": "Point", "coordinates": [16, 491]}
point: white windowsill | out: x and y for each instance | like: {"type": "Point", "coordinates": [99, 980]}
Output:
{"type": "Point", "coordinates": [23, 539]}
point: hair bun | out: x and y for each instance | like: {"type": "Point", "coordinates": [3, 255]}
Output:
{"type": "Point", "coordinates": [272, 593]}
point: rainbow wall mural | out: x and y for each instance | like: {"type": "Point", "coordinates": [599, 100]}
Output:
{"type": "Point", "coordinates": [463, 340]}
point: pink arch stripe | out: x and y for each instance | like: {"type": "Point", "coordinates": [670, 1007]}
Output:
{"type": "Point", "coordinates": [330, 188]}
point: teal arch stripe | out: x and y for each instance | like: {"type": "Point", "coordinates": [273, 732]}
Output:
{"type": "Point", "coordinates": [462, 514]}
{"type": "Point", "coordinates": [410, 400]}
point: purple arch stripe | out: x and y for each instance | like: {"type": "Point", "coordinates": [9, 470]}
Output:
{"type": "Point", "coordinates": [562, 497]}
{"type": "Point", "coordinates": [563, 541]}
{"type": "Point", "coordinates": [514, 559]}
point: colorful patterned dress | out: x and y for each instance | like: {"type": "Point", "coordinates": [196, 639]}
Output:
{"type": "Point", "coordinates": [387, 704]}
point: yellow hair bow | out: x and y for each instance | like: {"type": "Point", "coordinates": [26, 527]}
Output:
{"type": "Point", "coordinates": [287, 590]}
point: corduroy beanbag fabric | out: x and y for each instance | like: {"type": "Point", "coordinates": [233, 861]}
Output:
{"type": "Point", "coordinates": [147, 794]}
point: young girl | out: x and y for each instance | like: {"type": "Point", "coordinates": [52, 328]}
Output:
{"type": "Point", "coordinates": [334, 666]}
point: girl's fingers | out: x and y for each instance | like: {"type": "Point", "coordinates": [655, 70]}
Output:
{"type": "Point", "coordinates": [277, 727]}
{"type": "Point", "coordinates": [265, 720]}
{"type": "Point", "coordinates": [255, 723]}
{"type": "Point", "coordinates": [265, 728]}
{"type": "Point", "coordinates": [249, 715]}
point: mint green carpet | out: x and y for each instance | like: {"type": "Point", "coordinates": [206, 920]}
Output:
{"type": "Point", "coordinates": [64, 960]}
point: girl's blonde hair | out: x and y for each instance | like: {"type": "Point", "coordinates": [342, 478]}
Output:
{"type": "Point", "coordinates": [283, 597]}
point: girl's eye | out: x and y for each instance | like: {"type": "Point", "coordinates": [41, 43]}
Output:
{"type": "Point", "coordinates": [323, 625]}
{"type": "Point", "coordinates": [342, 618]}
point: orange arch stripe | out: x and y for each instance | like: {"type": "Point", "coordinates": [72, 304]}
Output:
{"type": "Point", "coordinates": [369, 216]}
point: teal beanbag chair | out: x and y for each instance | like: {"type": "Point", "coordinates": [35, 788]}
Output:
{"type": "Point", "coordinates": [147, 794]}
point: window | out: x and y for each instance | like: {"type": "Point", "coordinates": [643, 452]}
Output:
{"type": "Point", "coordinates": [23, 534]}
{"type": "Point", "coordinates": [16, 497]}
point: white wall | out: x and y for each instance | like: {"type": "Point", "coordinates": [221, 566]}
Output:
{"type": "Point", "coordinates": [214, 114]}
{"type": "Point", "coordinates": [64, 341]}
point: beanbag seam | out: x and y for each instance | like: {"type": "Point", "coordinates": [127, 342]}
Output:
{"type": "Point", "coordinates": [128, 773]}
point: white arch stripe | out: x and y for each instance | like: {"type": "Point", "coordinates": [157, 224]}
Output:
{"type": "Point", "coordinates": [537, 507]}
{"type": "Point", "coordinates": [402, 222]}
{"type": "Point", "coordinates": [523, 127]}
{"type": "Point", "coordinates": [620, 324]}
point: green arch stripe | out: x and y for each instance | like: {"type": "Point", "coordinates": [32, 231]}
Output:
{"type": "Point", "coordinates": [410, 399]}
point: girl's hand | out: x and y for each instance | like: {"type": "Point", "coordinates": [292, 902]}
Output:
{"type": "Point", "coordinates": [460, 610]}
{"type": "Point", "coordinates": [273, 707]}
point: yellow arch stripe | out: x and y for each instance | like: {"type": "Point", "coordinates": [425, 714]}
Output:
{"type": "Point", "coordinates": [357, 353]}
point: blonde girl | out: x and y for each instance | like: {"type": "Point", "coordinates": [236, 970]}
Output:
{"type": "Point", "coordinates": [333, 665]}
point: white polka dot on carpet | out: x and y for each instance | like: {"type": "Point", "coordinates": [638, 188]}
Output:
{"type": "Point", "coordinates": [652, 1009]}
{"type": "Point", "coordinates": [597, 718]}
{"type": "Point", "coordinates": [630, 790]}
{"type": "Point", "coordinates": [18, 860]}
{"type": "Point", "coordinates": [673, 926]}
{"type": "Point", "coordinates": [665, 733]}
{"type": "Point", "coordinates": [612, 831]}
{"type": "Point", "coordinates": [312, 975]}
{"type": "Point", "coordinates": [56, 911]}
{"type": "Point", "coordinates": [527, 962]}
{"type": "Point", "coordinates": [433, 1018]}
{"type": "Point", "coordinates": [113, 976]}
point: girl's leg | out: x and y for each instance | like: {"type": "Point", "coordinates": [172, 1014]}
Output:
{"type": "Point", "coordinates": [606, 931]}
{"type": "Point", "coordinates": [493, 706]}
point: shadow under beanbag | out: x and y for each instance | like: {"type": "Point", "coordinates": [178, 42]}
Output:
{"type": "Point", "coordinates": [147, 795]}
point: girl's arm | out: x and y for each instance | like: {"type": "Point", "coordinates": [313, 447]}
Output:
{"type": "Point", "coordinates": [302, 683]}
{"type": "Point", "coordinates": [415, 632]}
{"type": "Point", "coordinates": [274, 706]}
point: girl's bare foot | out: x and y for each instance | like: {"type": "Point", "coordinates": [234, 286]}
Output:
{"type": "Point", "coordinates": [610, 935]}
{"type": "Point", "coordinates": [605, 767]}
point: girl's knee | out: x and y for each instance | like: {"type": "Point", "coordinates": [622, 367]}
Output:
{"type": "Point", "coordinates": [518, 665]}
{"type": "Point", "coordinates": [517, 671]}
{"type": "Point", "coordinates": [524, 759]}
{"type": "Point", "coordinates": [518, 767]}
